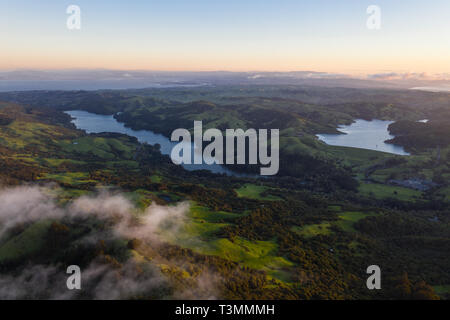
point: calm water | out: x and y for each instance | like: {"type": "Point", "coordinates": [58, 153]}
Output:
{"type": "Point", "coordinates": [95, 123]}
{"type": "Point", "coordinates": [433, 89]}
{"type": "Point", "coordinates": [365, 135]}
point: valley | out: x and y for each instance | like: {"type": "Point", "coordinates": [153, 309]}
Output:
{"type": "Point", "coordinates": [307, 233]}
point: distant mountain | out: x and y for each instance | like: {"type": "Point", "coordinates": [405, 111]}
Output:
{"type": "Point", "coordinates": [20, 80]}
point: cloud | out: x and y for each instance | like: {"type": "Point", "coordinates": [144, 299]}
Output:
{"type": "Point", "coordinates": [422, 76]}
{"type": "Point", "coordinates": [101, 279]}
{"type": "Point", "coordinates": [132, 280]}
{"type": "Point", "coordinates": [298, 75]}
{"type": "Point", "coordinates": [204, 288]}
{"type": "Point", "coordinates": [33, 282]}
{"type": "Point", "coordinates": [130, 223]}
{"type": "Point", "coordinates": [24, 204]}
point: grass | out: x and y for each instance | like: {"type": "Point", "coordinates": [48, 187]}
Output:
{"type": "Point", "coordinates": [204, 223]}
{"type": "Point", "coordinates": [105, 148]}
{"type": "Point", "coordinates": [199, 233]}
{"type": "Point", "coordinates": [20, 134]}
{"type": "Point", "coordinates": [354, 245]}
{"type": "Point", "coordinates": [253, 254]}
{"type": "Point", "coordinates": [313, 230]}
{"type": "Point", "coordinates": [335, 208]}
{"type": "Point", "coordinates": [72, 178]}
{"type": "Point", "coordinates": [348, 219]}
{"type": "Point", "coordinates": [253, 191]}
{"type": "Point", "coordinates": [66, 195]}
{"type": "Point", "coordinates": [26, 243]}
{"type": "Point", "coordinates": [156, 178]}
{"type": "Point", "coordinates": [355, 157]}
{"type": "Point", "coordinates": [346, 222]}
{"type": "Point", "coordinates": [66, 148]}
{"type": "Point", "coordinates": [442, 290]}
{"type": "Point", "coordinates": [141, 198]}
{"type": "Point", "coordinates": [57, 162]}
{"type": "Point", "coordinates": [382, 191]}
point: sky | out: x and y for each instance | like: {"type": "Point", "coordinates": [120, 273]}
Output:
{"type": "Point", "coordinates": [233, 35]}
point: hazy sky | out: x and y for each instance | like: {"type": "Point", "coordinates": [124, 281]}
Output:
{"type": "Point", "coordinates": [236, 35]}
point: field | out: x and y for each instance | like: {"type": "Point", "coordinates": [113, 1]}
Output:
{"type": "Point", "coordinates": [345, 222]}
{"type": "Point", "coordinates": [26, 243]}
{"type": "Point", "coordinates": [257, 192]}
{"type": "Point", "coordinates": [313, 230]}
{"type": "Point", "coordinates": [442, 290]}
{"type": "Point", "coordinates": [382, 191]}
{"type": "Point", "coordinates": [200, 235]}
{"type": "Point", "coordinates": [348, 219]}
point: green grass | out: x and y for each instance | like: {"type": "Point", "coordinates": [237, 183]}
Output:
{"type": "Point", "coordinates": [66, 195]}
{"type": "Point", "coordinates": [442, 290]}
{"type": "Point", "coordinates": [199, 233]}
{"type": "Point", "coordinates": [335, 208]}
{"type": "Point", "coordinates": [105, 148]}
{"type": "Point", "coordinates": [26, 243]}
{"type": "Point", "coordinates": [345, 222]}
{"type": "Point", "coordinates": [355, 157]}
{"type": "Point", "coordinates": [254, 254]}
{"type": "Point", "coordinates": [141, 198]}
{"type": "Point", "coordinates": [253, 191]}
{"type": "Point", "coordinates": [73, 178]}
{"type": "Point", "coordinates": [156, 178]}
{"type": "Point", "coordinates": [281, 275]}
{"type": "Point", "coordinates": [382, 191]}
{"type": "Point", "coordinates": [348, 219]}
{"type": "Point", "coordinates": [354, 245]}
{"type": "Point", "coordinates": [51, 162]}
{"type": "Point", "coordinates": [294, 145]}
{"type": "Point", "coordinates": [203, 213]}
{"type": "Point", "coordinates": [23, 133]}
{"type": "Point", "coordinates": [204, 223]}
{"type": "Point", "coordinates": [313, 230]}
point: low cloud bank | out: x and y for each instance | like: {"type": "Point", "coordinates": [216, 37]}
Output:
{"type": "Point", "coordinates": [409, 76]}
{"type": "Point", "coordinates": [129, 223]}
{"type": "Point", "coordinates": [23, 205]}
{"type": "Point", "coordinates": [27, 204]}
{"type": "Point", "coordinates": [99, 282]}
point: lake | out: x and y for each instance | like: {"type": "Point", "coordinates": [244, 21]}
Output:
{"type": "Point", "coordinates": [365, 135]}
{"type": "Point", "coordinates": [433, 89]}
{"type": "Point", "coordinates": [96, 123]}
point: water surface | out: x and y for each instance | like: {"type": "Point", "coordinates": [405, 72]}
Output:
{"type": "Point", "coordinates": [433, 89]}
{"type": "Point", "coordinates": [365, 135]}
{"type": "Point", "coordinates": [96, 123]}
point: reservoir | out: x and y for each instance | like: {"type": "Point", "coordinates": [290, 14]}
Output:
{"type": "Point", "coordinates": [96, 123]}
{"type": "Point", "coordinates": [365, 135]}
